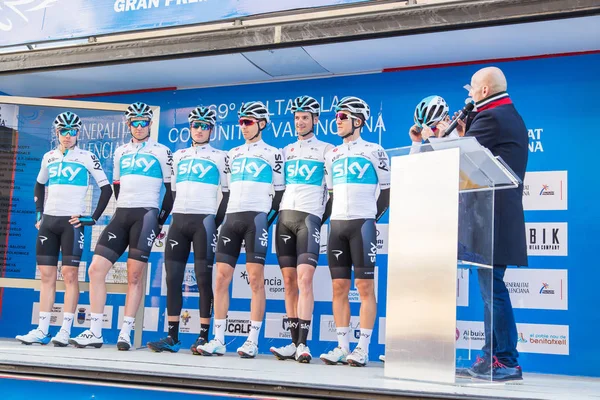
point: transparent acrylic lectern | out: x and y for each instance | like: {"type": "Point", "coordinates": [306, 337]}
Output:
{"type": "Point", "coordinates": [441, 225]}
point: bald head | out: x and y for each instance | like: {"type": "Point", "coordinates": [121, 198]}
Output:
{"type": "Point", "coordinates": [487, 82]}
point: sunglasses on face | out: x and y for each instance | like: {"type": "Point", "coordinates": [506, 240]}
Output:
{"type": "Point", "coordinates": [201, 125]}
{"type": "Point", "coordinates": [247, 122]}
{"type": "Point", "coordinates": [343, 116]}
{"type": "Point", "coordinates": [68, 131]}
{"type": "Point", "coordinates": [140, 124]}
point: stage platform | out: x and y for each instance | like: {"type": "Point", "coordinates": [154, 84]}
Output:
{"type": "Point", "coordinates": [267, 376]}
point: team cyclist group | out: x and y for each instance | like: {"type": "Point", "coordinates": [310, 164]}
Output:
{"type": "Point", "coordinates": [222, 201]}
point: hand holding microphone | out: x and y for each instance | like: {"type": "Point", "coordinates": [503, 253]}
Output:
{"type": "Point", "coordinates": [458, 122]}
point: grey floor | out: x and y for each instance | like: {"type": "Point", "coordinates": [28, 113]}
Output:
{"type": "Point", "coordinates": [267, 370]}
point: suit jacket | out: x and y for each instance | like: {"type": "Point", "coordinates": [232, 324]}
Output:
{"type": "Point", "coordinates": [502, 130]}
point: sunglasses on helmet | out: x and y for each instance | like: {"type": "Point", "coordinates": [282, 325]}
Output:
{"type": "Point", "coordinates": [140, 124]}
{"type": "Point", "coordinates": [68, 131]}
{"type": "Point", "coordinates": [201, 125]}
{"type": "Point", "coordinates": [247, 122]}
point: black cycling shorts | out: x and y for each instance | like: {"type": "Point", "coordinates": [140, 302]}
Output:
{"type": "Point", "coordinates": [352, 242]}
{"type": "Point", "coordinates": [247, 226]}
{"type": "Point", "coordinates": [186, 229]}
{"type": "Point", "coordinates": [56, 234]}
{"type": "Point", "coordinates": [298, 238]}
{"type": "Point", "coordinates": [133, 227]}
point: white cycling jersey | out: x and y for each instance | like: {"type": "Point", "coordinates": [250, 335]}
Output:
{"type": "Point", "coordinates": [141, 169]}
{"type": "Point", "coordinates": [354, 171]}
{"type": "Point", "coordinates": [197, 173]}
{"type": "Point", "coordinates": [255, 169]}
{"type": "Point", "coordinates": [304, 167]}
{"type": "Point", "coordinates": [68, 176]}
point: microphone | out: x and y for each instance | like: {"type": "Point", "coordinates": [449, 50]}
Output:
{"type": "Point", "coordinates": [461, 115]}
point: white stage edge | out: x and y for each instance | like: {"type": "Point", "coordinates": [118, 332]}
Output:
{"type": "Point", "coordinates": [183, 367]}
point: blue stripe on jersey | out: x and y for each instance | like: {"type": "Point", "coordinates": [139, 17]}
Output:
{"type": "Point", "coordinates": [251, 169]}
{"type": "Point", "coordinates": [67, 173]}
{"type": "Point", "coordinates": [306, 172]}
{"type": "Point", "coordinates": [141, 164]}
{"type": "Point", "coordinates": [198, 170]}
{"type": "Point", "coordinates": [354, 170]}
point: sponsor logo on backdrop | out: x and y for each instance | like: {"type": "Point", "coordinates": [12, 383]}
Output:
{"type": "Point", "coordinates": [535, 140]}
{"type": "Point", "coordinates": [273, 283]}
{"type": "Point", "coordinates": [82, 315]}
{"type": "Point", "coordinates": [532, 338]}
{"type": "Point", "coordinates": [189, 287]}
{"type": "Point", "coordinates": [545, 190]}
{"type": "Point", "coordinates": [328, 331]}
{"type": "Point", "coordinates": [547, 238]}
{"type": "Point", "coordinates": [161, 240]}
{"type": "Point", "coordinates": [382, 238]}
{"type": "Point", "coordinates": [277, 326]}
{"type": "Point", "coordinates": [238, 323]}
{"type": "Point", "coordinates": [543, 339]}
{"type": "Point", "coordinates": [189, 321]}
{"type": "Point", "coordinates": [323, 288]}
{"type": "Point", "coordinates": [545, 289]}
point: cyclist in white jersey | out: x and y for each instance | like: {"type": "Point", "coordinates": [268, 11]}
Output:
{"type": "Point", "coordinates": [298, 230]}
{"type": "Point", "coordinates": [141, 167]}
{"type": "Point", "coordinates": [198, 173]}
{"type": "Point", "coordinates": [356, 171]}
{"type": "Point", "coordinates": [255, 169]}
{"type": "Point", "coordinates": [65, 171]}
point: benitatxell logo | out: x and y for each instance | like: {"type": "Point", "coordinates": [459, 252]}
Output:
{"type": "Point", "coordinates": [521, 338]}
{"type": "Point", "coordinates": [16, 11]}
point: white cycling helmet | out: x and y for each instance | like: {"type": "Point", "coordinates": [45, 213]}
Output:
{"type": "Point", "coordinates": [67, 120]}
{"type": "Point", "coordinates": [203, 114]}
{"type": "Point", "coordinates": [430, 111]}
{"type": "Point", "coordinates": [306, 104]}
{"type": "Point", "coordinates": [254, 109]}
{"type": "Point", "coordinates": [139, 110]}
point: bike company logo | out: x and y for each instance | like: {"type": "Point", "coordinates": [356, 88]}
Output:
{"type": "Point", "coordinates": [225, 240]}
{"type": "Point", "coordinates": [547, 239]}
{"type": "Point", "coordinates": [173, 243]}
{"type": "Point", "coordinates": [111, 236]}
{"type": "Point", "coordinates": [43, 239]}
{"type": "Point", "coordinates": [337, 253]}
{"type": "Point", "coordinates": [285, 238]}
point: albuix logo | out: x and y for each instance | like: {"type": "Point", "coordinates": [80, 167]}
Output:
{"type": "Point", "coordinates": [547, 238]}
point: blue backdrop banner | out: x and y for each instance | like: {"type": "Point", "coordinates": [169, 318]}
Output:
{"type": "Point", "coordinates": [30, 21]}
{"type": "Point", "coordinates": [554, 299]}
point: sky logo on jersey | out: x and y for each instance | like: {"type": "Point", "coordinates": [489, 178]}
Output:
{"type": "Point", "coordinates": [251, 169]}
{"type": "Point", "coordinates": [305, 172]}
{"type": "Point", "coordinates": [66, 173]}
{"type": "Point", "coordinates": [195, 170]}
{"type": "Point", "coordinates": [141, 164]}
{"type": "Point", "coordinates": [354, 170]}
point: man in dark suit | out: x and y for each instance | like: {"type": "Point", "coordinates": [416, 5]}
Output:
{"type": "Point", "coordinates": [498, 126]}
